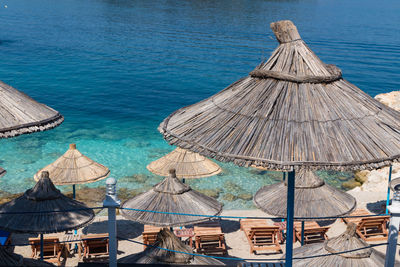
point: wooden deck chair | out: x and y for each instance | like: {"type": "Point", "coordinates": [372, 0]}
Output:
{"type": "Point", "coordinates": [211, 244]}
{"type": "Point", "coordinates": [95, 245]}
{"type": "Point", "coordinates": [260, 235]}
{"type": "Point", "coordinates": [209, 238]}
{"type": "Point", "coordinates": [52, 249]}
{"type": "Point", "coordinates": [313, 233]}
{"type": "Point", "coordinates": [150, 234]}
{"type": "Point", "coordinates": [5, 238]}
{"type": "Point", "coordinates": [372, 228]}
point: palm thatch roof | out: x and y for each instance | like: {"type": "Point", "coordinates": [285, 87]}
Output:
{"type": "Point", "coordinates": [186, 163]}
{"type": "Point", "coordinates": [313, 198]}
{"type": "Point", "coordinates": [74, 168]}
{"type": "Point", "coordinates": [20, 114]}
{"type": "Point", "coordinates": [2, 171]}
{"type": "Point", "coordinates": [368, 257]}
{"type": "Point", "coordinates": [42, 198]}
{"type": "Point", "coordinates": [171, 195]}
{"type": "Point", "coordinates": [8, 258]}
{"type": "Point", "coordinates": [293, 111]}
{"type": "Point", "coordinates": [167, 240]}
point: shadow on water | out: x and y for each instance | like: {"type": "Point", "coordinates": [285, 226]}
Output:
{"type": "Point", "coordinates": [6, 42]}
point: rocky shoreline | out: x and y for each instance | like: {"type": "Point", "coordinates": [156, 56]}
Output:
{"type": "Point", "coordinates": [377, 180]}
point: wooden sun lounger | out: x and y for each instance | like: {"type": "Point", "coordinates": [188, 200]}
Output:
{"type": "Point", "coordinates": [370, 228]}
{"type": "Point", "coordinates": [209, 238]}
{"type": "Point", "coordinates": [260, 235]}
{"type": "Point", "coordinates": [150, 234]}
{"type": "Point", "coordinates": [313, 233]}
{"type": "Point", "coordinates": [52, 249]}
{"type": "Point", "coordinates": [95, 245]}
{"type": "Point", "coordinates": [373, 228]}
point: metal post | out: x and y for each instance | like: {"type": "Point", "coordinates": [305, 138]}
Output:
{"type": "Point", "coordinates": [289, 222]}
{"type": "Point", "coordinates": [302, 233]}
{"type": "Point", "coordinates": [283, 220]}
{"type": "Point", "coordinates": [388, 191]}
{"type": "Point", "coordinates": [394, 209]}
{"type": "Point", "coordinates": [112, 202]}
{"type": "Point", "coordinates": [75, 231]}
{"type": "Point", "coordinates": [41, 247]}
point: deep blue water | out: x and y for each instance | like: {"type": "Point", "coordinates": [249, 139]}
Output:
{"type": "Point", "coordinates": [116, 68]}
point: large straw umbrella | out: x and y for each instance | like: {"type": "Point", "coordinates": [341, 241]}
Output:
{"type": "Point", "coordinates": [163, 252]}
{"type": "Point", "coordinates": [44, 209]}
{"type": "Point", "coordinates": [312, 198]}
{"type": "Point", "coordinates": [170, 196]}
{"type": "Point", "coordinates": [188, 165]}
{"type": "Point", "coordinates": [74, 168]}
{"type": "Point", "coordinates": [291, 112]}
{"type": "Point", "coordinates": [20, 114]}
{"type": "Point", "coordinates": [348, 240]}
{"type": "Point", "coordinates": [8, 258]}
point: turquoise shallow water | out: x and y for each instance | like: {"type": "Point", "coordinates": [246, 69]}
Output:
{"type": "Point", "coordinates": [115, 69]}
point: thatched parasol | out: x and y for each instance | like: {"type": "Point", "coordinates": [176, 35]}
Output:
{"type": "Point", "coordinates": [167, 240]}
{"type": "Point", "coordinates": [291, 112]}
{"type": "Point", "coordinates": [186, 163]}
{"type": "Point", "coordinates": [368, 257]}
{"type": "Point", "coordinates": [313, 198]}
{"type": "Point", "coordinates": [74, 168]}
{"type": "Point", "coordinates": [2, 172]}
{"type": "Point", "coordinates": [29, 213]}
{"type": "Point", "coordinates": [20, 114]}
{"type": "Point", "coordinates": [171, 195]}
{"type": "Point", "coordinates": [8, 258]}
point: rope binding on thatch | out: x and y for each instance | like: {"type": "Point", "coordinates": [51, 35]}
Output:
{"type": "Point", "coordinates": [336, 74]}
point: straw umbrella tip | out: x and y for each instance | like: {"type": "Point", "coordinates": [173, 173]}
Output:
{"type": "Point", "coordinates": [43, 190]}
{"type": "Point", "coordinates": [285, 31]}
{"type": "Point", "coordinates": [72, 146]}
{"type": "Point", "coordinates": [44, 174]}
{"type": "Point", "coordinates": [351, 229]}
{"type": "Point", "coordinates": [172, 173]}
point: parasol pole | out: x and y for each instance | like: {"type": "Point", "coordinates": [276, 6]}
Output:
{"type": "Point", "coordinates": [302, 233]}
{"type": "Point", "coordinates": [394, 210]}
{"type": "Point", "coordinates": [388, 191]}
{"type": "Point", "coordinates": [289, 222]}
{"type": "Point", "coordinates": [41, 247]}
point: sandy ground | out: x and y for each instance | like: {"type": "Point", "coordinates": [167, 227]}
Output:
{"type": "Point", "coordinates": [235, 239]}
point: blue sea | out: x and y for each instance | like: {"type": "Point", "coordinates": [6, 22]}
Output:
{"type": "Point", "coordinates": [116, 68]}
